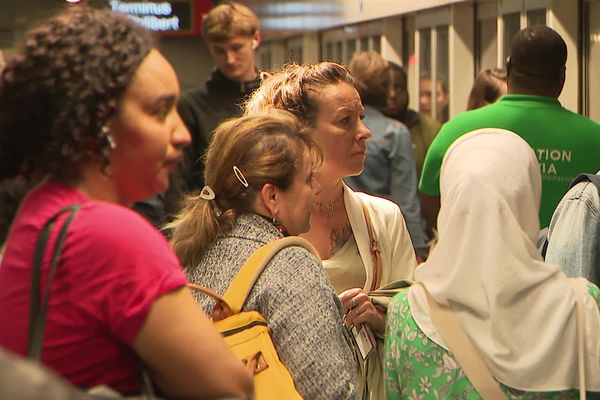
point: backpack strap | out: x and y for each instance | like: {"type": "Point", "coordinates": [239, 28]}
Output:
{"type": "Point", "coordinates": [462, 348]}
{"type": "Point", "coordinates": [581, 289]}
{"type": "Point", "coordinates": [242, 284]}
{"type": "Point", "coordinates": [213, 294]}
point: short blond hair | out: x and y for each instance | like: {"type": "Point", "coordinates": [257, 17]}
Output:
{"type": "Point", "coordinates": [229, 19]}
{"type": "Point", "coordinates": [370, 72]}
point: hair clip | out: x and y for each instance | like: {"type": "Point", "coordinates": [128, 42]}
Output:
{"type": "Point", "coordinates": [240, 176]}
{"type": "Point", "coordinates": [207, 193]}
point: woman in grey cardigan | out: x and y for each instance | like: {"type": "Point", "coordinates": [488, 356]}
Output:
{"type": "Point", "coordinates": [260, 187]}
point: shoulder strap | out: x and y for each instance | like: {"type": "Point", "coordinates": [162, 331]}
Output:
{"type": "Point", "coordinates": [38, 308]}
{"type": "Point", "coordinates": [242, 284]}
{"type": "Point", "coordinates": [462, 348]}
{"type": "Point", "coordinates": [580, 288]}
{"type": "Point", "coordinates": [373, 249]}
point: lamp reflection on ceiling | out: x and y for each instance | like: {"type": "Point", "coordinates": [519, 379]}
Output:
{"type": "Point", "coordinates": [297, 15]}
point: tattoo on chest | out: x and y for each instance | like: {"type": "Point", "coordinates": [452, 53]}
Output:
{"type": "Point", "coordinates": [339, 236]}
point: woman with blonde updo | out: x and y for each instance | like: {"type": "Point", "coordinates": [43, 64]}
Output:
{"type": "Point", "coordinates": [259, 188]}
{"type": "Point", "coordinates": [323, 96]}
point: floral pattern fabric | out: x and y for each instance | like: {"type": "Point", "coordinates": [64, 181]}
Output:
{"type": "Point", "coordinates": [417, 368]}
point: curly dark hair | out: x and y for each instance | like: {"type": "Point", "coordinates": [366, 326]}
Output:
{"type": "Point", "coordinates": [61, 87]}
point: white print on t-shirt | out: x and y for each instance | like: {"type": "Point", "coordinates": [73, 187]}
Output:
{"type": "Point", "coordinates": [549, 159]}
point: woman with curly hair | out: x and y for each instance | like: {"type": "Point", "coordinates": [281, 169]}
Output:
{"type": "Point", "coordinates": [87, 106]}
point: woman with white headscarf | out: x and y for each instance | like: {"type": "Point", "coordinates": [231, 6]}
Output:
{"type": "Point", "coordinates": [518, 312]}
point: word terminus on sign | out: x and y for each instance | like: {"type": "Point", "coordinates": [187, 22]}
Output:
{"type": "Point", "coordinates": [166, 17]}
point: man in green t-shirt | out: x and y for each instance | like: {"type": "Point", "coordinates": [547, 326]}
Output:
{"type": "Point", "coordinates": [566, 143]}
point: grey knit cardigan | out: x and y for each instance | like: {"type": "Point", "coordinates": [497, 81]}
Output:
{"type": "Point", "coordinates": [299, 303]}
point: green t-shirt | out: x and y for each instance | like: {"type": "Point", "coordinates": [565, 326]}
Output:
{"type": "Point", "coordinates": [565, 143]}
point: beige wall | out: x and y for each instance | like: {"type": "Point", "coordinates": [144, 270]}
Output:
{"type": "Point", "coordinates": [190, 58]}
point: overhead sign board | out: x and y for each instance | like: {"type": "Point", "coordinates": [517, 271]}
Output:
{"type": "Point", "coordinates": [178, 17]}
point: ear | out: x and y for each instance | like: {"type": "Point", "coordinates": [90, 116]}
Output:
{"type": "Point", "coordinates": [508, 71]}
{"type": "Point", "coordinates": [256, 40]}
{"type": "Point", "coordinates": [270, 198]}
{"type": "Point", "coordinates": [561, 82]}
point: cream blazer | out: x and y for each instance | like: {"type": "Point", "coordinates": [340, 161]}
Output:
{"type": "Point", "coordinates": [397, 253]}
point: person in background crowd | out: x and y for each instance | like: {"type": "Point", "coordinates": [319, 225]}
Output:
{"type": "Point", "coordinates": [390, 169]}
{"type": "Point", "coordinates": [12, 193]}
{"type": "Point", "coordinates": [422, 128]}
{"type": "Point", "coordinates": [487, 269]}
{"type": "Point", "coordinates": [324, 98]}
{"type": "Point", "coordinates": [536, 75]}
{"type": "Point", "coordinates": [442, 98]}
{"type": "Point", "coordinates": [87, 106]}
{"type": "Point", "coordinates": [574, 231]}
{"type": "Point", "coordinates": [488, 87]}
{"type": "Point", "coordinates": [232, 35]}
{"type": "Point", "coordinates": [261, 187]}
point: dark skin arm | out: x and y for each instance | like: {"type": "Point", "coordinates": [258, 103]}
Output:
{"type": "Point", "coordinates": [430, 207]}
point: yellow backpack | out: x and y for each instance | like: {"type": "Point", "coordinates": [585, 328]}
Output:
{"type": "Point", "coordinates": [247, 333]}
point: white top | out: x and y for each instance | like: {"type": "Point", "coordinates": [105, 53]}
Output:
{"type": "Point", "coordinates": [518, 311]}
{"type": "Point", "coordinates": [397, 254]}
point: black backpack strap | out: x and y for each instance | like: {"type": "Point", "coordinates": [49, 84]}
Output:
{"type": "Point", "coordinates": [38, 308]}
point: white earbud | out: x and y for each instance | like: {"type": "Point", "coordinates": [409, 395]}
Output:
{"type": "Point", "coordinates": [254, 44]}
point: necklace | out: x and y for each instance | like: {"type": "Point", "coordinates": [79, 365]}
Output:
{"type": "Point", "coordinates": [330, 206]}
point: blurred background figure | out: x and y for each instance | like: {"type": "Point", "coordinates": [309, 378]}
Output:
{"type": "Point", "coordinates": [487, 270]}
{"type": "Point", "coordinates": [442, 98]}
{"type": "Point", "coordinates": [259, 169]}
{"type": "Point", "coordinates": [422, 127]}
{"type": "Point", "coordinates": [574, 231]}
{"type": "Point", "coordinates": [12, 193]}
{"type": "Point", "coordinates": [22, 379]}
{"type": "Point", "coordinates": [87, 108]}
{"type": "Point", "coordinates": [346, 227]}
{"type": "Point", "coordinates": [489, 86]}
{"type": "Point", "coordinates": [390, 169]}
{"type": "Point", "coordinates": [231, 32]}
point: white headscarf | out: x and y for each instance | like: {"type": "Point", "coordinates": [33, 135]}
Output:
{"type": "Point", "coordinates": [518, 311]}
